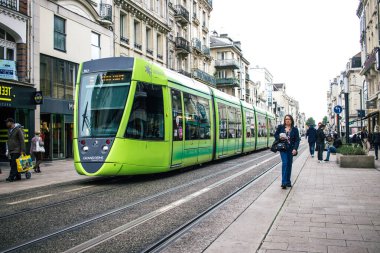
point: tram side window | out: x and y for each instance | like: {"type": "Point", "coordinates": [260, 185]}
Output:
{"type": "Point", "coordinates": [203, 107]}
{"type": "Point", "coordinates": [238, 123]}
{"type": "Point", "coordinates": [261, 125]}
{"type": "Point", "coordinates": [146, 121]}
{"type": "Point", "coordinates": [231, 122]}
{"type": "Point", "coordinates": [222, 121]}
{"type": "Point", "coordinates": [191, 117]}
{"type": "Point", "coordinates": [250, 124]}
{"type": "Point", "coordinates": [177, 115]}
{"type": "Point", "coordinates": [272, 127]}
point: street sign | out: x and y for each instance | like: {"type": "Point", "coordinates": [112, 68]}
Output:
{"type": "Point", "coordinates": [338, 109]}
{"type": "Point", "coordinates": [361, 113]}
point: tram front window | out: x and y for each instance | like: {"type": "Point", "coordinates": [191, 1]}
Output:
{"type": "Point", "coordinates": [102, 98]}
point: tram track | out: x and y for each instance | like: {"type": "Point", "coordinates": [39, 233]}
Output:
{"type": "Point", "coordinates": [125, 207]}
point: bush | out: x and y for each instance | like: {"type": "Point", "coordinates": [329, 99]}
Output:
{"type": "Point", "coordinates": [351, 150]}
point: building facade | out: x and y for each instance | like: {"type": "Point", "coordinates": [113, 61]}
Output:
{"type": "Point", "coordinates": [66, 33]}
{"type": "Point", "coordinates": [189, 40]}
{"type": "Point", "coordinates": [17, 90]}
{"type": "Point", "coordinates": [368, 13]}
{"type": "Point", "coordinates": [230, 67]}
{"type": "Point", "coordinates": [264, 79]}
{"type": "Point", "coordinates": [285, 104]}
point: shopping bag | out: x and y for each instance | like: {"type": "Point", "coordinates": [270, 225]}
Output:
{"type": "Point", "coordinates": [24, 163]}
{"type": "Point", "coordinates": [39, 147]}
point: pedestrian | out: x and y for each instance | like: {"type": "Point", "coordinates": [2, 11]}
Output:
{"type": "Point", "coordinates": [46, 139]}
{"type": "Point", "coordinates": [332, 148]}
{"type": "Point", "coordinates": [289, 134]}
{"type": "Point", "coordinates": [364, 138]}
{"type": "Point", "coordinates": [37, 149]}
{"type": "Point", "coordinates": [15, 147]}
{"type": "Point", "coordinates": [320, 142]}
{"type": "Point", "coordinates": [376, 140]}
{"type": "Point", "coordinates": [311, 135]}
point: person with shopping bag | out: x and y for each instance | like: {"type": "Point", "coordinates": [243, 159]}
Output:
{"type": "Point", "coordinates": [15, 147]}
{"type": "Point", "coordinates": [37, 149]}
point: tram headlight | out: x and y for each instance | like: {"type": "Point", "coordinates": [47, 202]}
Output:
{"type": "Point", "coordinates": [84, 148]}
{"type": "Point", "coordinates": [105, 149]}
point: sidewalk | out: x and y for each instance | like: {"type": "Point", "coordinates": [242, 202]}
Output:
{"type": "Point", "coordinates": [329, 209]}
{"type": "Point", "coordinates": [53, 172]}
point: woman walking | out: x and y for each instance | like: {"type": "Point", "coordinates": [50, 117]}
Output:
{"type": "Point", "coordinates": [289, 134]}
{"type": "Point", "coordinates": [376, 140]}
{"type": "Point", "coordinates": [37, 149]}
{"type": "Point", "coordinates": [321, 142]}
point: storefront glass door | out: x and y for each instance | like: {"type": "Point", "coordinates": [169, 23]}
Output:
{"type": "Point", "coordinates": [58, 136]}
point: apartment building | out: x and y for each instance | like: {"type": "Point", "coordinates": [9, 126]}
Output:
{"type": "Point", "coordinates": [368, 13]}
{"type": "Point", "coordinates": [264, 80]}
{"type": "Point", "coordinates": [141, 29]}
{"type": "Point", "coordinates": [230, 67]}
{"type": "Point", "coordinates": [65, 33]}
{"type": "Point", "coordinates": [285, 104]}
{"type": "Point", "coordinates": [188, 40]}
{"type": "Point", "coordinates": [17, 90]}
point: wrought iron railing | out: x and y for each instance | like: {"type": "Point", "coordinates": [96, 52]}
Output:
{"type": "Point", "coordinates": [10, 4]}
{"type": "Point", "coordinates": [106, 12]}
{"type": "Point", "coordinates": [203, 76]}
{"type": "Point", "coordinates": [182, 43]}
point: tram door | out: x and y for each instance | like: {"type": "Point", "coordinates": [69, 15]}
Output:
{"type": "Point", "coordinates": [222, 143]}
{"type": "Point", "coordinates": [191, 129]}
{"type": "Point", "coordinates": [177, 113]}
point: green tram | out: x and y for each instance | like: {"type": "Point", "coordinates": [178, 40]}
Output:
{"type": "Point", "coordinates": [134, 117]}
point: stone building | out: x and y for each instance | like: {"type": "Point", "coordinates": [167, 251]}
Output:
{"type": "Point", "coordinates": [285, 103]}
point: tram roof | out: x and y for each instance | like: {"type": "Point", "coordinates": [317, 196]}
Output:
{"type": "Point", "coordinates": [186, 81]}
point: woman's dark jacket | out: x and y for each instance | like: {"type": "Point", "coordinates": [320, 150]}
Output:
{"type": "Point", "coordinates": [320, 136]}
{"type": "Point", "coordinates": [294, 136]}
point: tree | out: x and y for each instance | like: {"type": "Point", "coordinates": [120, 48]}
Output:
{"type": "Point", "coordinates": [325, 120]}
{"type": "Point", "coordinates": [310, 122]}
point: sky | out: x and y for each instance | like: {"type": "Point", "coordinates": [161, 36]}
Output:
{"type": "Point", "coordinates": [303, 43]}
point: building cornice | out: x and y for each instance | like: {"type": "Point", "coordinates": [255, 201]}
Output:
{"type": "Point", "coordinates": [14, 14]}
{"type": "Point", "coordinates": [143, 15]}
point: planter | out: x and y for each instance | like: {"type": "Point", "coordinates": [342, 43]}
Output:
{"type": "Point", "coordinates": [356, 161]}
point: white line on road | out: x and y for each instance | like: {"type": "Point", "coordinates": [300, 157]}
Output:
{"type": "Point", "coordinates": [119, 230]}
{"type": "Point", "coordinates": [80, 188]}
{"type": "Point", "coordinates": [31, 199]}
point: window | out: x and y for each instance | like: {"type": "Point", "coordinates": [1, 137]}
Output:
{"type": "Point", "coordinates": [146, 121]}
{"type": "Point", "coordinates": [160, 49]}
{"type": "Point", "coordinates": [231, 122]}
{"type": "Point", "coordinates": [158, 7]}
{"type": "Point", "coordinates": [2, 53]}
{"type": "Point", "coordinates": [45, 75]}
{"type": "Point", "coordinates": [59, 79]}
{"type": "Point", "coordinates": [123, 27]}
{"type": "Point", "coordinates": [59, 33]}
{"type": "Point", "coordinates": [177, 115]}
{"type": "Point", "coordinates": [250, 124]}
{"type": "Point", "coordinates": [8, 49]}
{"type": "Point", "coordinates": [149, 39]}
{"type": "Point", "coordinates": [238, 123]}
{"type": "Point", "coordinates": [191, 116]}
{"type": "Point", "coordinates": [95, 46]}
{"type": "Point", "coordinates": [222, 121]}
{"type": "Point", "coordinates": [261, 124]}
{"type": "Point", "coordinates": [137, 34]}
{"type": "Point", "coordinates": [203, 107]}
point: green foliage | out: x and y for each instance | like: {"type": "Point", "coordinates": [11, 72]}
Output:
{"type": "Point", "coordinates": [310, 122]}
{"type": "Point", "coordinates": [325, 120]}
{"type": "Point", "coordinates": [351, 150]}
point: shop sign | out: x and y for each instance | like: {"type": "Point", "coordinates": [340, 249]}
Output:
{"type": "Point", "coordinates": [38, 98]}
{"type": "Point", "coordinates": [16, 96]}
{"type": "Point", "coordinates": [71, 106]}
{"type": "Point", "coordinates": [8, 69]}
{"type": "Point", "coordinates": [371, 104]}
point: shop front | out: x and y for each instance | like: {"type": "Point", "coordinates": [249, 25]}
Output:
{"type": "Point", "coordinates": [57, 128]}
{"type": "Point", "coordinates": [16, 101]}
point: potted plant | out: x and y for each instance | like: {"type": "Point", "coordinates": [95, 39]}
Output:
{"type": "Point", "coordinates": [353, 156]}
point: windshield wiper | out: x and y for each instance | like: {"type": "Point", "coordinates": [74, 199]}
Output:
{"type": "Point", "coordinates": [85, 118]}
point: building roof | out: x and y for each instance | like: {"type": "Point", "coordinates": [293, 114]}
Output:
{"type": "Point", "coordinates": [224, 41]}
{"type": "Point", "coordinates": [278, 86]}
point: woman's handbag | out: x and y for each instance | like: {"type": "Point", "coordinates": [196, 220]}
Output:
{"type": "Point", "coordinates": [39, 147]}
{"type": "Point", "coordinates": [278, 146]}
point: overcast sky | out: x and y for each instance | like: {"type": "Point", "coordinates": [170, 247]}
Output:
{"type": "Point", "coordinates": [303, 43]}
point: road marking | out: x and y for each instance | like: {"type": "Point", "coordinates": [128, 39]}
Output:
{"type": "Point", "coordinates": [27, 200]}
{"type": "Point", "coordinates": [80, 188]}
{"type": "Point", "coordinates": [122, 229]}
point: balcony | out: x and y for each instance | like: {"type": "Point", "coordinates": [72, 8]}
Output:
{"type": "Point", "coordinates": [203, 77]}
{"type": "Point", "coordinates": [206, 51]}
{"type": "Point", "coordinates": [247, 77]}
{"type": "Point", "coordinates": [105, 13]}
{"type": "Point", "coordinates": [184, 72]}
{"type": "Point", "coordinates": [197, 45]}
{"type": "Point", "coordinates": [124, 40]}
{"type": "Point", "coordinates": [182, 45]}
{"type": "Point", "coordinates": [227, 64]}
{"type": "Point", "coordinates": [8, 70]}
{"type": "Point", "coordinates": [204, 27]}
{"type": "Point", "coordinates": [209, 2]}
{"type": "Point", "coordinates": [160, 57]}
{"type": "Point", "coordinates": [10, 4]}
{"type": "Point", "coordinates": [230, 82]}
{"type": "Point", "coordinates": [195, 18]}
{"type": "Point", "coordinates": [182, 14]}
{"type": "Point", "coordinates": [149, 51]}
{"type": "Point", "coordinates": [370, 61]}
{"type": "Point", "coordinates": [138, 46]}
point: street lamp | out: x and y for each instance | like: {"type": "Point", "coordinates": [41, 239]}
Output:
{"type": "Point", "coordinates": [347, 112]}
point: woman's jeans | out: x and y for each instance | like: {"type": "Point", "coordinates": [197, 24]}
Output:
{"type": "Point", "coordinates": [331, 149]}
{"type": "Point", "coordinates": [312, 147]}
{"type": "Point", "coordinates": [287, 161]}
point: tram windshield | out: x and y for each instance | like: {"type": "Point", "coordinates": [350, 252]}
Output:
{"type": "Point", "coordinates": [102, 98]}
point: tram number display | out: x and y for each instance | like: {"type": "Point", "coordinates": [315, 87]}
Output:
{"type": "Point", "coordinates": [113, 77]}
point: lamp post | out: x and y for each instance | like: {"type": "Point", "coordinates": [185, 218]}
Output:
{"type": "Point", "coordinates": [347, 108]}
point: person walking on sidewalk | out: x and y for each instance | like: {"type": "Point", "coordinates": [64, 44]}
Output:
{"type": "Point", "coordinates": [376, 141]}
{"type": "Point", "coordinates": [16, 146]}
{"type": "Point", "coordinates": [332, 149]}
{"type": "Point", "coordinates": [364, 138]}
{"type": "Point", "coordinates": [311, 135]}
{"type": "Point", "coordinates": [37, 149]}
{"type": "Point", "coordinates": [320, 142]}
{"type": "Point", "coordinates": [289, 134]}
